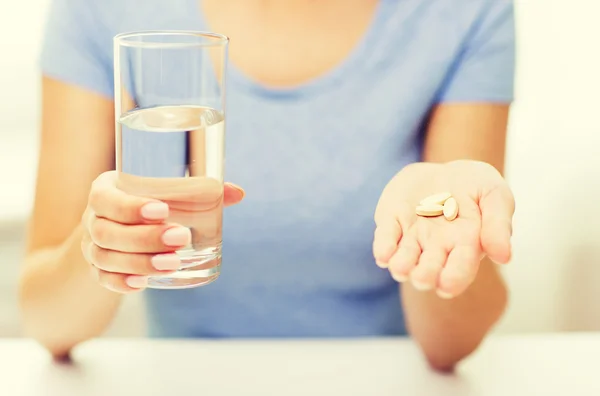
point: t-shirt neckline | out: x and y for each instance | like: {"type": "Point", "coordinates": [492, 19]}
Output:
{"type": "Point", "coordinates": [353, 62]}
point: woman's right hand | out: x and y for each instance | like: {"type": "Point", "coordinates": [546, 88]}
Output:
{"type": "Point", "coordinates": [126, 237]}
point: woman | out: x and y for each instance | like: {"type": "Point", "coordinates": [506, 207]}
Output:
{"type": "Point", "coordinates": [373, 105]}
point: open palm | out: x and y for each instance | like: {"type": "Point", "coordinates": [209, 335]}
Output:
{"type": "Point", "coordinates": [435, 253]}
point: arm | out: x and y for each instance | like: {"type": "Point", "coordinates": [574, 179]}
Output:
{"type": "Point", "coordinates": [449, 330]}
{"type": "Point", "coordinates": [469, 122]}
{"type": "Point", "coordinates": [61, 303]}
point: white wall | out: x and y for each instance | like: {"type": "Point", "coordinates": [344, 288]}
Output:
{"type": "Point", "coordinates": [552, 164]}
{"type": "Point", "coordinates": [554, 168]}
{"type": "Point", "coordinates": [21, 26]}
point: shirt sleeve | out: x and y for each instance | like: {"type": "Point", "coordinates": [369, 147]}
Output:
{"type": "Point", "coordinates": [74, 48]}
{"type": "Point", "coordinates": [485, 69]}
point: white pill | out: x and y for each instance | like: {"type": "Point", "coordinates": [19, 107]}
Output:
{"type": "Point", "coordinates": [430, 210]}
{"type": "Point", "coordinates": [436, 199]}
{"type": "Point", "coordinates": [450, 209]}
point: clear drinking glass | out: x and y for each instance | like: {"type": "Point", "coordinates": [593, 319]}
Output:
{"type": "Point", "coordinates": [170, 130]}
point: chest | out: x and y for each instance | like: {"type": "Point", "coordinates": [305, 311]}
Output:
{"type": "Point", "coordinates": [321, 142]}
{"type": "Point", "coordinates": [323, 160]}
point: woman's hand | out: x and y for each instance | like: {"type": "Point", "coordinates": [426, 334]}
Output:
{"type": "Point", "coordinates": [435, 253]}
{"type": "Point", "coordinates": [127, 238]}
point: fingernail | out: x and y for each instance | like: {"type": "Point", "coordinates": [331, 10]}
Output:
{"type": "Point", "coordinates": [177, 236]}
{"type": "Point", "coordinates": [166, 262]}
{"type": "Point", "coordinates": [237, 188]}
{"type": "Point", "coordinates": [501, 259]}
{"type": "Point", "coordinates": [444, 295]}
{"type": "Point", "coordinates": [495, 260]}
{"type": "Point", "coordinates": [381, 264]}
{"type": "Point", "coordinates": [421, 286]}
{"type": "Point", "coordinates": [136, 281]}
{"type": "Point", "coordinates": [399, 277]}
{"type": "Point", "coordinates": [155, 211]}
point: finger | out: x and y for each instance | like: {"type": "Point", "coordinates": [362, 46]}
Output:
{"type": "Point", "coordinates": [385, 242]}
{"type": "Point", "coordinates": [425, 275]}
{"type": "Point", "coordinates": [405, 258]}
{"type": "Point", "coordinates": [146, 238]}
{"type": "Point", "coordinates": [459, 272]}
{"type": "Point", "coordinates": [233, 194]}
{"type": "Point", "coordinates": [121, 283]}
{"type": "Point", "coordinates": [497, 210]}
{"type": "Point", "coordinates": [131, 263]}
{"type": "Point", "coordinates": [107, 201]}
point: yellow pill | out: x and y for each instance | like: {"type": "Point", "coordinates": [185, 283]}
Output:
{"type": "Point", "coordinates": [436, 199]}
{"type": "Point", "coordinates": [450, 209]}
{"type": "Point", "coordinates": [430, 210]}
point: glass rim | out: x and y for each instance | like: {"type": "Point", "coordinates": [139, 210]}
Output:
{"type": "Point", "coordinates": [213, 39]}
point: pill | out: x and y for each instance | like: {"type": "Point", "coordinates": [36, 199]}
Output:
{"type": "Point", "coordinates": [450, 209]}
{"type": "Point", "coordinates": [435, 199]}
{"type": "Point", "coordinates": [430, 210]}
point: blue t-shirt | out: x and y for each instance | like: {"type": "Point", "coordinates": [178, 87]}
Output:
{"type": "Point", "coordinates": [297, 257]}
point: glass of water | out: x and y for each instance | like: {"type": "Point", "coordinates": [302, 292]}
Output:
{"type": "Point", "coordinates": [170, 127]}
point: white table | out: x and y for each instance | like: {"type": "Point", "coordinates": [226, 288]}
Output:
{"type": "Point", "coordinates": [553, 365]}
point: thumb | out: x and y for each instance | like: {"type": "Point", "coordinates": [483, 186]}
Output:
{"type": "Point", "coordinates": [497, 210]}
{"type": "Point", "coordinates": [232, 194]}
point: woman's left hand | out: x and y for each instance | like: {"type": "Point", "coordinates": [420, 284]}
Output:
{"type": "Point", "coordinates": [435, 253]}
